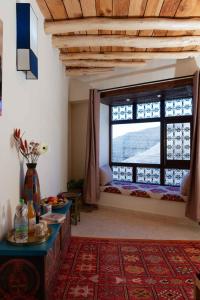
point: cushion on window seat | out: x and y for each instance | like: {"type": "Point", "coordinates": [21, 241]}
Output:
{"type": "Point", "coordinates": [170, 193]}
{"type": "Point", "coordinates": [105, 173]}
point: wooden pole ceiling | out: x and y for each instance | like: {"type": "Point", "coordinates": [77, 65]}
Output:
{"type": "Point", "coordinates": [94, 36]}
{"type": "Point", "coordinates": [102, 23]}
{"type": "Point", "coordinates": [102, 64]}
{"type": "Point", "coordinates": [87, 71]}
{"type": "Point", "coordinates": [128, 55]}
{"type": "Point", "coordinates": [124, 41]}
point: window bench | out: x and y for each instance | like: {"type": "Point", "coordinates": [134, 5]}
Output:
{"type": "Point", "coordinates": [161, 192]}
{"type": "Point", "coordinates": [144, 197]}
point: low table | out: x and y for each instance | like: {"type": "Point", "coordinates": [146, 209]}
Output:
{"type": "Point", "coordinates": [28, 272]}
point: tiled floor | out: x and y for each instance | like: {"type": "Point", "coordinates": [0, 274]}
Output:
{"type": "Point", "coordinates": [115, 223]}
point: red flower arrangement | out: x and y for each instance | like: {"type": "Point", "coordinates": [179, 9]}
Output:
{"type": "Point", "coordinates": [30, 151]}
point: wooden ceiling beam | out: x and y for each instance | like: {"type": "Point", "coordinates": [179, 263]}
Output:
{"type": "Point", "coordinates": [87, 71]}
{"type": "Point", "coordinates": [102, 64]}
{"type": "Point", "coordinates": [124, 41]}
{"type": "Point", "coordinates": [106, 23]}
{"type": "Point", "coordinates": [129, 55]}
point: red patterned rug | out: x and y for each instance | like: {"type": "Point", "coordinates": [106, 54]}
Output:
{"type": "Point", "coordinates": [108, 269]}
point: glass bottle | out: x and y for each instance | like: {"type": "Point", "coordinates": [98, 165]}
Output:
{"type": "Point", "coordinates": [31, 218]}
{"type": "Point", "coordinates": [21, 223]}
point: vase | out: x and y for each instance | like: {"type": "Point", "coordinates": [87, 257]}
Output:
{"type": "Point", "coordinates": [32, 188]}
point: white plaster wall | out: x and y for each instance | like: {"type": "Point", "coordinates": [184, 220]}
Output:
{"type": "Point", "coordinates": [78, 130]}
{"type": "Point", "coordinates": [1, 37]}
{"type": "Point", "coordinates": [155, 206]}
{"type": "Point", "coordinates": [38, 107]}
{"type": "Point", "coordinates": [78, 90]}
{"type": "Point", "coordinates": [153, 71]}
{"type": "Point", "coordinates": [104, 135]}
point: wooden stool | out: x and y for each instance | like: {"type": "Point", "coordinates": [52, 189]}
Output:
{"type": "Point", "coordinates": [75, 197]}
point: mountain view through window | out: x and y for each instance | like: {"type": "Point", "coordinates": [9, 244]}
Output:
{"type": "Point", "coordinates": [136, 143]}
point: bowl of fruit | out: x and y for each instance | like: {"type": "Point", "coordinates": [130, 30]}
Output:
{"type": "Point", "coordinates": [56, 202]}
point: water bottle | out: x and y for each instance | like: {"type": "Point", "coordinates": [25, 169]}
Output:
{"type": "Point", "coordinates": [21, 223]}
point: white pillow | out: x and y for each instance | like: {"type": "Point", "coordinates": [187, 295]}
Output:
{"type": "Point", "coordinates": [185, 185]}
{"type": "Point", "coordinates": [105, 175]}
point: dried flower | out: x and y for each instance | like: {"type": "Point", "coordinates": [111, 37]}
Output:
{"type": "Point", "coordinates": [30, 151]}
{"type": "Point", "coordinates": [42, 148]}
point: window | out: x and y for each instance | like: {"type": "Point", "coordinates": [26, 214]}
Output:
{"type": "Point", "coordinates": [150, 134]}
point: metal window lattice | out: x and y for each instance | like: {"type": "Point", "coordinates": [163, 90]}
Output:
{"type": "Point", "coordinates": [122, 173]}
{"type": "Point", "coordinates": [148, 110]}
{"type": "Point", "coordinates": [178, 107]}
{"type": "Point", "coordinates": [120, 113]}
{"type": "Point", "coordinates": [178, 141]}
{"type": "Point", "coordinates": [148, 175]}
{"type": "Point", "coordinates": [174, 176]}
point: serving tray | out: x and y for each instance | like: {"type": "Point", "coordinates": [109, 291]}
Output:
{"type": "Point", "coordinates": [32, 240]}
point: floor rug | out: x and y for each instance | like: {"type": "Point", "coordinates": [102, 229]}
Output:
{"type": "Point", "coordinates": [110, 269]}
